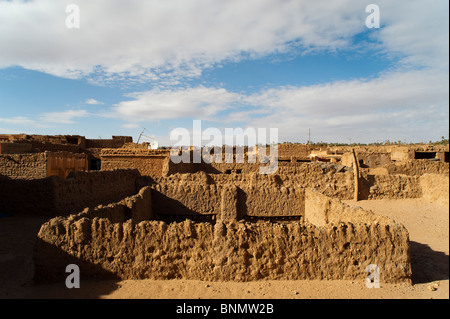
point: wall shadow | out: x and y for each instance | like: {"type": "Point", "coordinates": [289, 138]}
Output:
{"type": "Point", "coordinates": [50, 281]}
{"type": "Point", "coordinates": [365, 183]}
{"type": "Point", "coordinates": [242, 209]}
{"type": "Point", "coordinates": [428, 265]}
{"type": "Point", "coordinates": [168, 209]}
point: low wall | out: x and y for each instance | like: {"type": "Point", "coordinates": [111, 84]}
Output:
{"type": "Point", "coordinates": [225, 250]}
{"type": "Point", "coordinates": [383, 239]}
{"type": "Point", "coordinates": [115, 142]}
{"type": "Point", "coordinates": [390, 187]}
{"type": "Point", "coordinates": [435, 188]}
{"type": "Point", "coordinates": [418, 167]}
{"type": "Point", "coordinates": [137, 207]}
{"type": "Point", "coordinates": [322, 210]}
{"type": "Point", "coordinates": [200, 193]}
{"type": "Point", "coordinates": [56, 196]}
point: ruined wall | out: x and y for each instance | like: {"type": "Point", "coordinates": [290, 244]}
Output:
{"type": "Point", "coordinates": [184, 195]}
{"type": "Point", "coordinates": [435, 188]}
{"type": "Point", "coordinates": [294, 150]}
{"type": "Point", "coordinates": [137, 207]}
{"type": "Point", "coordinates": [24, 166]}
{"type": "Point", "coordinates": [390, 187]}
{"type": "Point", "coordinates": [366, 160]}
{"type": "Point", "coordinates": [227, 250]}
{"type": "Point", "coordinates": [56, 196]}
{"type": "Point", "coordinates": [15, 148]}
{"type": "Point", "coordinates": [22, 196]}
{"type": "Point", "coordinates": [115, 142]}
{"type": "Point", "coordinates": [147, 162]}
{"type": "Point", "coordinates": [418, 167]}
{"type": "Point", "coordinates": [173, 198]}
{"type": "Point", "coordinates": [42, 146]}
{"type": "Point", "coordinates": [321, 210]}
{"type": "Point", "coordinates": [272, 202]}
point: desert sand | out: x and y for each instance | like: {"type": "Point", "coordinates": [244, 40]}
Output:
{"type": "Point", "coordinates": [428, 226]}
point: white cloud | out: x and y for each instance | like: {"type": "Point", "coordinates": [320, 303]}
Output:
{"type": "Point", "coordinates": [21, 121]}
{"type": "Point", "coordinates": [417, 31]}
{"type": "Point", "coordinates": [9, 131]}
{"type": "Point", "coordinates": [169, 40]}
{"type": "Point", "coordinates": [44, 120]}
{"type": "Point", "coordinates": [65, 117]}
{"type": "Point", "coordinates": [93, 102]}
{"type": "Point", "coordinates": [396, 105]}
{"type": "Point", "coordinates": [178, 37]}
{"type": "Point", "coordinates": [199, 102]}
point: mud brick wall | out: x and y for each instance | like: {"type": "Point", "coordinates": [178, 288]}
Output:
{"type": "Point", "coordinates": [273, 201]}
{"type": "Point", "coordinates": [87, 189]}
{"type": "Point", "coordinates": [15, 148]}
{"type": "Point", "coordinates": [115, 142]}
{"type": "Point", "coordinates": [435, 188]}
{"type": "Point", "coordinates": [21, 196]}
{"type": "Point", "coordinates": [42, 146]}
{"type": "Point", "coordinates": [62, 163]}
{"type": "Point", "coordinates": [201, 194]}
{"type": "Point", "coordinates": [390, 187]}
{"type": "Point", "coordinates": [224, 251]}
{"type": "Point", "coordinates": [418, 167]}
{"type": "Point", "coordinates": [24, 166]}
{"type": "Point", "coordinates": [295, 150]}
{"type": "Point", "coordinates": [137, 207]}
{"type": "Point", "coordinates": [56, 196]}
{"type": "Point", "coordinates": [147, 162]}
{"type": "Point", "coordinates": [186, 199]}
{"type": "Point", "coordinates": [322, 210]}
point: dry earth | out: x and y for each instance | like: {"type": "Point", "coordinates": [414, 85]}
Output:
{"type": "Point", "coordinates": [428, 225]}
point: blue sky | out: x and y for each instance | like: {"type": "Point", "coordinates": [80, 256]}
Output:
{"type": "Point", "coordinates": [291, 65]}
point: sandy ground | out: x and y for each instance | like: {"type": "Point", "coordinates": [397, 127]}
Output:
{"type": "Point", "coordinates": [428, 225]}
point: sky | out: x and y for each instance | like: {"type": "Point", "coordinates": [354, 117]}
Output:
{"type": "Point", "coordinates": [299, 66]}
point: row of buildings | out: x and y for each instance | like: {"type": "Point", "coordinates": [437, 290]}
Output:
{"type": "Point", "coordinates": [38, 156]}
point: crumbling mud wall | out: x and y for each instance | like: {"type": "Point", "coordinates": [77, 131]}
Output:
{"type": "Point", "coordinates": [24, 166]}
{"type": "Point", "coordinates": [115, 142]}
{"type": "Point", "coordinates": [435, 188]}
{"type": "Point", "coordinates": [177, 196]}
{"type": "Point", "coordinates": [367, 159]}
{"type": "Point", "coordinates": [137, 207]}
{"type": "Point", "coordinates": [418, 167]}
{"type": "Point", "coordinates": [390, 187]}
{"type": "Point", "coordinates": [322, 210]}
{"type": "Point", "coordinates": [15, 148]}
{"type": "Point", "coordinates": [56, 196]}
{"type": "Point", "coordinates": [224, 250]}
{"type": "Point", "coordinates": [147, 162]}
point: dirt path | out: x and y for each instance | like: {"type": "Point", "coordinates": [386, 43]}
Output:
{"type": "Point", "coordinates": [427, 224]}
